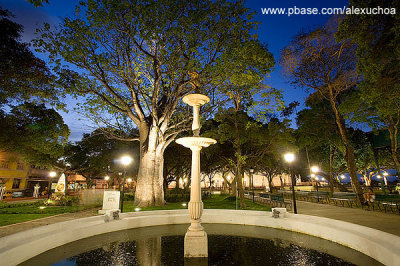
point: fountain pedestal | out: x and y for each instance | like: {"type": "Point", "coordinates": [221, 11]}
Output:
{"type": "Point", "coordinates": [196, 243]}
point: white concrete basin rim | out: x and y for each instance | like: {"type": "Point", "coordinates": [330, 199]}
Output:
{"type": "Point", "coordinates": [381, 246]}
{"type": "Point", "coordinates": [189, 142]}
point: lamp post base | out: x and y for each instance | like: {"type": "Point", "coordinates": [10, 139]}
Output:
{"type": "Point", "coordinates": [196, 244]}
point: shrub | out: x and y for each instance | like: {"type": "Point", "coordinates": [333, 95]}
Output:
{"type": "Point", "coordinates": [129, 196]}
{"type": "Point", "coordinates": [177, 197]}
{"type": "Point", "coordinates": [58, 199]}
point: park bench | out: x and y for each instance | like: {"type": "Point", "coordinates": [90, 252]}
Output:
{"type": "Point", "coordinates": [264, 197]}
{"type": "Point", "coordinates": [387, 202]}
{"type": "Point", "coordinates": [278, 199]}
{"type": "Point", "coordinates": [303, 195]}
{"type": "Point", "coordinates": [344, 197]}
{"type": "Point", "coordinates": [319, 196]}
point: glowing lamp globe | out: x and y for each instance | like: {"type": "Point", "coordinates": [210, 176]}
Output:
{"type": "Point", "coordinates": [126, 160]}
{"type": "Point", "coordinates": [289, 157]}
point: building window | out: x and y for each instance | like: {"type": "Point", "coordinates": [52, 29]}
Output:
{"type": "Point", "coordinates": [3, 164]}
{"type": "Point", "coordinates": [16, 183]}
{"type": "Point", "coordinates": [20, 166]}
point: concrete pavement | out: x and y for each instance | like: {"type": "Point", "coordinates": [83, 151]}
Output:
{"type": "Point", "coordinates": [386, 222]}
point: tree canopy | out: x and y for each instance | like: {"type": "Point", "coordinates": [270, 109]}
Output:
{"type": "Point", "coordinates": [138, 59]}
{"type": "Point", "coordinates": [378, 53]}
{"type": "Point", "coordinates": [22, 75]}
{"type": "Point", "coordinates": [36, 133]}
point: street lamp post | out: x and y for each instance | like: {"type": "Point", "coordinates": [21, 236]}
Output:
{"type": "Point", "coordinates": [289, 158]}
{"type": "Point", "coordinates": [252, 181]}
{"type": "Point", "coordinates": [125, 161]}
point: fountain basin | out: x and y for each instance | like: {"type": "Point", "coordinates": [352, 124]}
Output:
{"type": "Point", "coordinates": [379, 245]}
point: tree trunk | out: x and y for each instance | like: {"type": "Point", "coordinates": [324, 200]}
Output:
{"type": "Point", "coordinates": [393, 144]}
{"type": "Point", "coordinates": [349, 155]}
{"type": "Point", "coordinates": [149, 188]}
{"type": "Point", "coordinates": [239, 170]}
{"type": "Point", "coordinates": [331, 156]}
{"type": "Point", "coordinates": [233, 186]}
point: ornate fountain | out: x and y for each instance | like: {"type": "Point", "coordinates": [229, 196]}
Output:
{"type": "Point", "coordinates": [196, 244]}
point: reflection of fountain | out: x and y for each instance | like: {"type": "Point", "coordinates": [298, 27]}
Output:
{"type": "Point", "coordinates": [196, 237]}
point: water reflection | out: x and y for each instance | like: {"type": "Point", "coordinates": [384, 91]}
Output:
{"type": "Point", "coordinates": [228, 245]}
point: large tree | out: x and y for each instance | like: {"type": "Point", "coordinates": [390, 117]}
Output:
{"type": "Point", "coordinates": [137, 59]}
{"type": "Point", "coordinates": [315, 60]}
{"type": "Point", "coordinates": [378, 52]}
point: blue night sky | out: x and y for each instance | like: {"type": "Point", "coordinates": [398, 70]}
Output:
{"type": "Point", "coordinates": [275, 30]}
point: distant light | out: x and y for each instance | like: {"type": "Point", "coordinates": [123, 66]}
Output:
{"type": "Point", "coordinates": [323, 179]}
{"type": "Point", "coordinates": [126, 160]}
{"type": "Point", "coordinates": [184, 204]}
{"type": "Point", "coordinates": [185, 180]}
{"type": "Point", "coordinates": [316, 178]}
{"type": "Point", "coordinates": [106, 178]}
{"type": "Point", "coordinates": [379, 176]}
{"type": "Point", "coordinates": [251, 170]}
{"type": "Point", "coordinates": [42, 207]}
{"type": "Point", "coordinates": [229, 177]}
{"type": "Point", "coordinates": [289, 157]}
{"type": "Point", "coordinates": [52, 174]}
{"type": "Point", "coordinates": [385, 173]}
{"type": "Point", "coordinates": [315, 169]}
{"type": "Point", "coordinates": [129, 180]}
{"type": "Point", "coordinates": [312, 175]}
{"type": "Point", "coordinates": [342, 177]}
{"type": "Point", "coordinates": [137, 209]}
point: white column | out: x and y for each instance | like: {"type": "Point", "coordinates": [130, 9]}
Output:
{"type": "Point", "coordinates": [196, 118]}
{"type": "Point", "coordinates": [195, 204]}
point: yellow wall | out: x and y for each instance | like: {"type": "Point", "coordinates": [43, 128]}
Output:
{"type": "Point", "coordinates": [12, 172]}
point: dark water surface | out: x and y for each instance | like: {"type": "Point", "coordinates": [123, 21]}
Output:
{"type": "Point", "coordinates": [227, 245]}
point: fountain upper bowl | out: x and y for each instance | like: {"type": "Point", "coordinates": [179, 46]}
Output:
{"type": "Point", "coordinates": [190, 142]}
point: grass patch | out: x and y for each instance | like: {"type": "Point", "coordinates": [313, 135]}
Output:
{"type": "Point", "coordinates": [10, 214]}
{"type": "Point", "coordinates": [13, 213]}
{"type": "Point", "coordinates": [6, 219]}
{"type": "Point", "coordinates": [215, 202]}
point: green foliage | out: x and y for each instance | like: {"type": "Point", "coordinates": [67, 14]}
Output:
{"type": "Point", "coordinates": [96, 154]}
{"type": "Point", "coordinates": [22, 75]}
{"type": "Point", "coordinates": [177, 163]}
{"type": "Point", "coordinates": [135, 58]}
{"type": "Point", "coordinates": [37, 3]}
{"type": "Point", "coordinates": [36, 133]}
{"type": "Point", "coordinates": [177, 197]}
{"type": "Point", "coordinates": [378, 53]}
{"type": "Point", "coordinates": [129, 196]}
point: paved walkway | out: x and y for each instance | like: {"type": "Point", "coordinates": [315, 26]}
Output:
{"type": "Point", "coordinates": [15, 228]}
{"type": "Point", "coordinates": [386, 222]}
